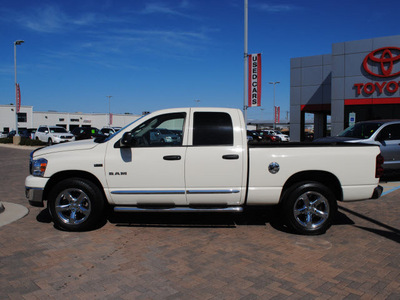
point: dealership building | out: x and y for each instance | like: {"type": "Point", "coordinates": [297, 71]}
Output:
{"type": "Point", "coordinates": [28, 118]}
{"type": "Point", "coordinates": [358, 81]}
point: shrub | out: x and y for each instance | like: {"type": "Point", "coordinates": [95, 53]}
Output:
{"type": "Point", "coordinates": [24, 141]}
{"type": "Point", "coordinates": [6, 140]}
{"type": "Point", "coordinates": [28, 142]}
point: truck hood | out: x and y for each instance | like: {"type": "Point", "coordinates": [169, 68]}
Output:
{"type": "Point", "coordinates": [68, 146]}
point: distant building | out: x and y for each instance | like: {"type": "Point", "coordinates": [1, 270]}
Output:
{"type": "Point", "coordinates": [27, 118]}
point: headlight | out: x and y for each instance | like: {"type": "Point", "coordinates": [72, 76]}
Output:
{"type": "Point", "coordinates": [38, 167]}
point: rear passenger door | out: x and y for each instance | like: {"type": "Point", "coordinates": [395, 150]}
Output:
{"type": "Point", "coordinates": [215, 158]}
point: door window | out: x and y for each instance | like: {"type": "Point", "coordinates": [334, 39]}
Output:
{"type": "Point", "coordinates": [390, 132]}
{"type": "Point", "coordinates": [212, 129]}
{"type": "Point", "coordinates": [160, 131]}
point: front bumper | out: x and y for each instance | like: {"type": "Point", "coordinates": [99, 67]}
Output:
{"type": "Point", "coordinates": [34, 189]}
{"type": "Point", "coordinates": [35, 196]}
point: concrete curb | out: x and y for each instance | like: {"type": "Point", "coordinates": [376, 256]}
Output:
{"type": "Point", "coordinates": [12, 212]}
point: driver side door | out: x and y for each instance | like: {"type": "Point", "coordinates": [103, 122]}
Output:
{"type": "Point", "coordinates": [151, 171]}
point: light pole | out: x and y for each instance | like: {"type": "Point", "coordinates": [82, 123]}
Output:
{"type": "Point", "coordinates": [197, 102]}
{"type": "Point", "coordinates": [109, 110]}
{"type": "Point", "coordinates": [18, 42]}
{"type": "Point", "coordinates": [274, 83]}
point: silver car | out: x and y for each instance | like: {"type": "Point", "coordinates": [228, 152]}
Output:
{"type": "Point", "coordinates": [161, 135]}
{"type": "Point", "coordinates": [385, 133]}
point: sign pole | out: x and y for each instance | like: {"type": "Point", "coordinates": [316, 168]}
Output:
{"type": "Point", "coordinates": [245, 60]}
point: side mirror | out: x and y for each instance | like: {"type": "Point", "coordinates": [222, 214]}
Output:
{"type": "Point", "coordinates": [127, 140]}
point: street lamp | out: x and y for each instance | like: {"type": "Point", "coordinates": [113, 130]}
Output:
{"type": "Point", "coordinates": [274, 83]}
{"type": "Point", "coordinates": [18, 42]}
{"type": "Point", "coordinates": [109, 110]}
{"type": "Point", "coordinates": [197, 102]}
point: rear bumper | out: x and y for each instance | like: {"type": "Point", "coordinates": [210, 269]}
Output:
{"type": "Point", "coordinates": [377, 192]}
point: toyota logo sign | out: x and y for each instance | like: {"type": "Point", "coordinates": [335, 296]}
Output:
{"type": "Point", "coordinates": [385, 59]}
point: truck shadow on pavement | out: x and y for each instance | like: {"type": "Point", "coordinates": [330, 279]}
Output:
{"type": "Point", "coordinates": [250, 217]}
{"type": "Point", "coordinates": [271, 216]}
{"type": "Point", "coordinates": [193, 219]}
{"type": "Point", "coordinates": [391, 233]}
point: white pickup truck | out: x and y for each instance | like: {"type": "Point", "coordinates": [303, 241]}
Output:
{"type": "Point", "coordinates": [210, 168]}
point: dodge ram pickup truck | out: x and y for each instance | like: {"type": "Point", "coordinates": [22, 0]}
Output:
{"type": "Point", "coordinates": [210, 168]}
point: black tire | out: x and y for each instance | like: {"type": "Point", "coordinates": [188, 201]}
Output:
{"type": "Point", "coordinates": [76, 204]}
{"type": "Point", "coordinates": [309, 208]}
{"type": "Point", "coordinates": [50, 142]}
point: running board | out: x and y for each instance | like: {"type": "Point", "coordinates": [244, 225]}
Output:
{"type": "Point", "coordinates": [235, 209]}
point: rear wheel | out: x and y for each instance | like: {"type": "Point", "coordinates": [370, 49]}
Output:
{"type": "Point", "coordinates": [76, 204]}
{"type": "Point", "coordinates": [309, 208]}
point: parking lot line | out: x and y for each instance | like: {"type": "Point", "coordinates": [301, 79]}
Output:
{"type": "Point", "coordinates": [391, 190]}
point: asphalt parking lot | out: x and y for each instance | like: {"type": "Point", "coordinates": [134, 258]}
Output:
{"type": "Point", "coordinates": [197, 256]}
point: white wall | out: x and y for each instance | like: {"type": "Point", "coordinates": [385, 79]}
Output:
{"type": "Point", "coordinates": [67, 120]}
{"type": "Point", "coordinates": [7, 117]}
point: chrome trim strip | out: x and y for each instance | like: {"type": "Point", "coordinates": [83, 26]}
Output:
{"type": "Point", "coordinates": [231, 191]}
{"type": "Point", "coordinates": [178, 209]}
{"type": "Point", "coordinates": [174, 192]}
{"type": "Point", "coordinates": [148, 192]}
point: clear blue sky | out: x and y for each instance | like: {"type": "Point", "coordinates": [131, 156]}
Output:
{"type": "Point", "coordinates": [150, 55]}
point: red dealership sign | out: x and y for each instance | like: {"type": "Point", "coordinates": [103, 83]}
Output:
{"type": "Point", "coordinates": [254, 80]}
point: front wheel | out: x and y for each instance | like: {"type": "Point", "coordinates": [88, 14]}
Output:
{"type": "Point", "coordinates": [76, 204]}
{"type": "Point", "coordinates": [309, 208]}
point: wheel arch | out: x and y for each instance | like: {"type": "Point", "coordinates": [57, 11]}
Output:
{"type": "Point", "coordinates": [71, 174]}
{"type": "Point", "coordinates": [323, 177]}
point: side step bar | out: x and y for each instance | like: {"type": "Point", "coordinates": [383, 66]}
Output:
{"type": "Point", "coordinates": [235, 209]}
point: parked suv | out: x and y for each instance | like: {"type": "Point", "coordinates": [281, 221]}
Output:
{"type": "Point", "coordinates": [109, 130]}
{"type": "Point", "coordinates": [85, 133]}
{"type": "Point", "coordinates": [385, 133]}
{"type": "Point", "coordinates": [53, 134]}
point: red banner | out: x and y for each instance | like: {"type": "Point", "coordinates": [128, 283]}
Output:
{"type": "Point", "coordinates": [277, 114]}
{"type": "Point", "coordinates": [254, 80]}
{"type": "Point", "coordinates": [17, 97]}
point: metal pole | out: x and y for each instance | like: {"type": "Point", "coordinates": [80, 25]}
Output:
{"type": "Point", "coordinates": [19, 42]}
{"type": "Point", "coordinates": [109, 110]}
{"type": "Point", "coordinates": [245, 60]}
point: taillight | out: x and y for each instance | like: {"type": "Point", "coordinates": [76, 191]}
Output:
{"type": "Point", "coordinates": [379, 166]}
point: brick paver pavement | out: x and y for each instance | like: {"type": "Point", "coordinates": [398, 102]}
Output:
{"type": "Point", "coordinates": [197, 256]}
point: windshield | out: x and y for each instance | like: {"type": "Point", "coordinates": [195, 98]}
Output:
{"type": "Point", "coordinates": [360, 130]}
{"type": "Point", "coordinates": [58, 130]}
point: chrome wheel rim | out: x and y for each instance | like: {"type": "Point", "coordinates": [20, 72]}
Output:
{"type": "Point", "coordinates": [73, 206]}
{"type": "Point", "coordinates": [311, 210]}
